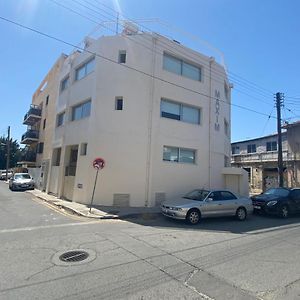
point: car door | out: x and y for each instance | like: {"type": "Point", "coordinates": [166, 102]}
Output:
{"type": "Point", "coordinates": [295, 199]}
{"type": "Point", "coordinates": [215, 205]}
{"type": "Point", "coordinates": [230, 203]}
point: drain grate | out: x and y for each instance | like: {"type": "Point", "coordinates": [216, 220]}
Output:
{"type": "Point", "coordinates": [74, 256]}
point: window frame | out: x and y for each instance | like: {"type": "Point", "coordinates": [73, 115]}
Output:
{"type": "Point", "coordinates": [58, 124]}
{"type": "Point", "coordinates": [122, 54]}
{"type": "Point", "coordinates": [83, 66]}
{"type": "Point", "coordinates": [178, 160]}
{"type": "Point", "coordinates": [271, 146]}
{"type": "Point", "coordinates": [182, 63]}
{"type": "Point", "coordinates": [164, 114]}
{"type": "Point", "coordinates": [117, 99]}
{"type": "Point", "coordinates": [65, 82]}
{"type": "Point", "coordinates": [251, 147]}
{"type": "Point", "coordinates": [81, 106]}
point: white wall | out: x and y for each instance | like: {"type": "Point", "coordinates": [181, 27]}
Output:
{"type": "Point", "coordinates": [131, 141]}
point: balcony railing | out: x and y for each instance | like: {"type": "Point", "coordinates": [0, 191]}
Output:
{"type": "Point", "coordinates": [33, 115]}
{"type": "Point", "coordinates": [258, 157]}
{"type": "Point", "coordinates": [30, 136]}
{"type": "Point", "coordinates": [30, 156]}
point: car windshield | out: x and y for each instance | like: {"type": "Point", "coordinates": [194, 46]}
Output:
{"type": "Point", "coordinates": [22, 176]}
{"type": "Point", "coordinates": [198, 195]}
{"type": "Point", "coordinates": [277, 192]}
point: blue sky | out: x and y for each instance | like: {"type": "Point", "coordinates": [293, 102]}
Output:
{"type": "Point", "coordinates": [259, 40]}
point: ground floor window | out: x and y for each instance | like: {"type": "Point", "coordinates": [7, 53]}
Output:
{"type": "Point", "coordinates": [176, 154]}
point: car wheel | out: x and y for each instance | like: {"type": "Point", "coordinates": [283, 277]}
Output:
{"type": "Point", "coordinates": [284, 211]}
{"type": "Point", "coordinates": [241, 214]}
{"type": "Point", "coordinates": [193, 216]}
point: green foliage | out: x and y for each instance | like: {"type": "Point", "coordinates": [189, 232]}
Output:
{"type": "Point", "coordinates": [15, 153]}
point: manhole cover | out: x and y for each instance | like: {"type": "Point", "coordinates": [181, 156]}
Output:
{"type": "Point", "coordinates": [73, 256]}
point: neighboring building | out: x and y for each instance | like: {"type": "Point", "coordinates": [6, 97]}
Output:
{"type": "Point", "coordinates": [40, 121]}
{"type": "Point", "coordinates": [153, 109]}
{"type": "Point", "coordinates": [259, 158]}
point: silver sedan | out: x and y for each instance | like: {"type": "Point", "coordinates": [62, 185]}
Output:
{"type": "Point", "coordinates": [203, 203]}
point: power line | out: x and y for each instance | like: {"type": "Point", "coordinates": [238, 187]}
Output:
{"type": "Point", "coordinates": [125, 66]}
{"type": "Point", "coordinates": [269, 117]}
{"type": "Point", "coordinates": [167, 45]}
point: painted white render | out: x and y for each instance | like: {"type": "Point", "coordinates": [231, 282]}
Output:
{"type": "Point", "coordinates": [131, 140]}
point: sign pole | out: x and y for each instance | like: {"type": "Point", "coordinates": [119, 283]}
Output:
{"type": "Point", "coordinates": [94, 190]}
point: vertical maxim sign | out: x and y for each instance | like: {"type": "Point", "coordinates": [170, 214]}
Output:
{"type": "Point", "coordinates": [217, 110]}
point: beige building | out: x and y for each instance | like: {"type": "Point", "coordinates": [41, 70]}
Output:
{"type": "Point", "coordinates": [40, 121]}
{"type": "Point", "coordinates": [259, 158]}
{"type": "Point", "coordinates": [152, 108]}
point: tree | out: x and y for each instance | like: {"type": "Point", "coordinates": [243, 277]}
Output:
{"type": "Point", "coordinates": [15, 153]}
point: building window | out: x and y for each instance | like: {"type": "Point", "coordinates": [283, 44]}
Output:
{"type": "Point", "coordinates": [182, 155]}
{"type": "Point", "coordinates": [64, 83]}
{"type": "Point", "coordinates": [83, 149]}
{"type": "Point", "coordinates": [226, 91]}
{"type": "Point", "coordinates": [122, 57]}
{"type": "Point", "coordinates": [226, 161]}
{"type": "Point", "coordinates": [56, 157]}
{"type": "Point", "coordinates": [47, 100]}
{"type": "Point", "coordinates": [271, 146]}
{"type": "Point", "coordinates": [119, 103]}
{"type": "Point", "coordinates": [180, 67]}
{"type": "Point", "coordinates": [85, 69]}
{"type": "Point", "coordinates": [40, 148]}
{"type": "Point", "coordinates": [226, 128]}
{"type": "Point", "coordinates": [251, 148]}
{"type": "Point", "coordinates": [44, 124]}
{"type": "Point", "coordinates": [235, 150]}
{"type": "Point", "coordinates": [81, 111]}
{"type": "Point", "coordinates": [60, 119]}
{"type": "Point", "coordinates": [178, 111]}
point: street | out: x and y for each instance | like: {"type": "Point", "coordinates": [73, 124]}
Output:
{"type": "Point", "coordinates": [144, 258]}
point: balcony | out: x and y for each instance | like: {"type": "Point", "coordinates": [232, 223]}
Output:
{"type": "Point", "coordinates": [258, 157]}
{"type": "Point", "coordinates": [30, 137]}
{"type": "Point", "coordinates": [33, 115]}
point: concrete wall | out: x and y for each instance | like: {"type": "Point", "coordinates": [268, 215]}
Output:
{"type": "Point", "coordinates": [131, 141]}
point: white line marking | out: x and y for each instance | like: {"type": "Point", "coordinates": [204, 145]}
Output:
{"type": "Point", "coordinates": [48, 226]}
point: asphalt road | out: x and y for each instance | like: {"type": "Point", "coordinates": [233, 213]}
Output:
{"type": "Point", "coordinates": [144, 258]}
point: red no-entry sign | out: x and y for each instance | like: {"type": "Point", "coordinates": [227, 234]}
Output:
{"type": "Point", "coordinates": [98, 163]}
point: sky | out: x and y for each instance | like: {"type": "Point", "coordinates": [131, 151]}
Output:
{"type": "Point", "coordinates": [258, 40]}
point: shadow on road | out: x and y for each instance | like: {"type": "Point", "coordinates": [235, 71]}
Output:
{"type": "Point", "coordinates": [254, 224]}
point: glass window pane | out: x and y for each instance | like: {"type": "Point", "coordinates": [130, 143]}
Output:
{"type": "Point", "coordinates": [86, 109]}
{"type": "Point", "coordinates": [170, 154]}
{"type": "Point", "coordinates": [190, 71]}
{"type": "Point", "coordinates": [80, 73]}
{"type": "Point", "coordinates": [187, 156]}
{"type": "Point", "coordinates": [76, 114]}
{"type": "Point", "coordinates": [172, 64]}
{"type": "Point", "coordinates": [90, 66]}
{"type": "Point", "coordinates": [190, 114]}
{"type": "Point", "coordinates": [170, 110]}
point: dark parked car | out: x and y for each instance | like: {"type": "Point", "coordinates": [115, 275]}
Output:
{"type": "Point", "coordinates": [278, 201]}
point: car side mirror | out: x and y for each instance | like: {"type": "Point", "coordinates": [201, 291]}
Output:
{"type": "Point", "coordinates": [209, 199]}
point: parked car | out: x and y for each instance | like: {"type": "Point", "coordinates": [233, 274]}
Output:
{"type": "Point", "coordinates": [278, 201]}
{"type": "Point", "coordinates": [3, 174]}
{"type": "Point", "coordinates": [21, 181]}
{"type": "Point", "coordinates": [202, 203]}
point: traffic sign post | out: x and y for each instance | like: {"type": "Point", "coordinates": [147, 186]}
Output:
{"type": "Point", "coordinates": [98, 164]}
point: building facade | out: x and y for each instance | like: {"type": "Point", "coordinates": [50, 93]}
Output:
{"type": "Point", "coordinates": [259, 157]}
{"type": "Point", "coordinates": [157, 112]}
{"type": "Point", "coordinates": [40, 121]}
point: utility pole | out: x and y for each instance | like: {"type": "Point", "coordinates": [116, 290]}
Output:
{"type": "Point", "coordinates": [7, 152]}
{"type": "Point", "coordinates": [279, 104]}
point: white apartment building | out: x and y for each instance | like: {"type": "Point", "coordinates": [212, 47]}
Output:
{"type": "Point", "coordinates": [157, 112]}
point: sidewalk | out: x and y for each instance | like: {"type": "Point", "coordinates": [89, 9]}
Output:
{"type": "Point", "coordinates": [97, 211]}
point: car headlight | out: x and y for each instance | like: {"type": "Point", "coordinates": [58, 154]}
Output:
{"type": "Point", "coordinates": [175, 208]}
{"type": "Point", "coordinates": [271, 203]}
